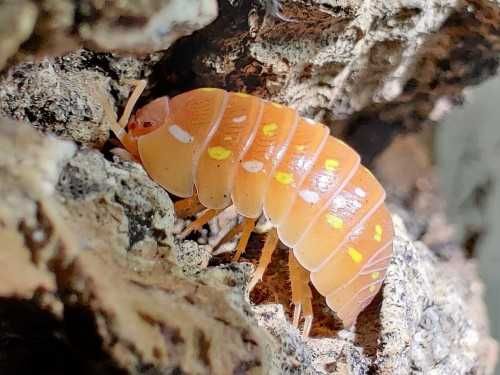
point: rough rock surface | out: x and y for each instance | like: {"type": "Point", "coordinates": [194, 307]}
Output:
{"type": "Point", "coordinates": [42, 27]}
{"type": "Point", "coordinates": [104, 268]}
{"type": "Point", "coordinates": [15, 30]}
{"type": "Point", "coordinates": [63, 95]}
{"type": "Point", "coordinates": [26, 231]}
{"type": "Point", "coordinates": [106, 310]}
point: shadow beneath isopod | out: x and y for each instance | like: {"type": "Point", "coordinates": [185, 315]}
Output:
{"type": "Point", "coordinates": [367, 330]}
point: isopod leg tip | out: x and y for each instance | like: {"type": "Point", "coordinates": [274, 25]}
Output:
{"type": "Point", "coordinates": [308, 320]}
{"type": "Point", "coordinates": [296, 314]}
{"type": "Point", "coordinates": [253, 282]}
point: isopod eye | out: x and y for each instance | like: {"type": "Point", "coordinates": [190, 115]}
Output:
{"type": "Point", "coordinates": [132, 124]}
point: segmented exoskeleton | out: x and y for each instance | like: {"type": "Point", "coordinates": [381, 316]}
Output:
{"type": "Point", "coordinates": [262, 157]}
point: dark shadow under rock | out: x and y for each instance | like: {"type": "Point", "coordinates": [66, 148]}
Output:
{"type": "Point", "coordinates": [33, 341]}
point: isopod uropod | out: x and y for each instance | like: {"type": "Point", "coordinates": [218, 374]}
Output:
{"type": "Point", "coordinates": [263, 157]}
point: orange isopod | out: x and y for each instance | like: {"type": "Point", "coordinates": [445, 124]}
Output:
{"type": "Point", "coordinates": [263, 157]}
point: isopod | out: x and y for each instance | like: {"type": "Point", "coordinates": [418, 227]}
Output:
{"type": "Point", "coordinates": [262, 157]}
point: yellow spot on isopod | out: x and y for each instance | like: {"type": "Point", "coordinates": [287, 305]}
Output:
{"type": "Point", "coordinates": [375, 275]}
{"type": "Point", "coordinates": [242, 95]}
{"type": "Point", "coordinates": [208, 89]}
{"type": "Point", "coordinates": [372, 288]}
{"type": "Point", "coordinates": [219, 153]}
{"type": "Point", "coordinates": [284, 178]}
{"type": "Point", "coordinates": [269, 130]}
{"type": "Point", "coordinates": [378, 233]}
{"type": "Point", "coordinates": [300, 148]}
{"type": "Point", "coordinates": [276, 105]}
{"type": "Point", "coordinates": [355, 255]}
{"type": "Point", "coordinates": [334, 221]}
{"type": "Point", "coordinates": [331, 164]}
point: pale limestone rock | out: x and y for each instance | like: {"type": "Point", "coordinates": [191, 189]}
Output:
{"type": "Point", "coordinates": [145, 26]}
{"type": "Point", "coordinates": [80, 298]}
{"type": "Point", "coordinates": [17, 21]}
{"type": "Point", "coordinates": [55, 27]}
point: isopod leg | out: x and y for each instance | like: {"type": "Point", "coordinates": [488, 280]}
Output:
{"type": "Point", "coordinates": [237, 229]}
{"type": "Point", "coordinates": [265, 257]}
{"type": "Point", "coordinates": [123, 154]}
{"type": "Point", "coordinates": [308, 314]}
{"type": "Point", "coordinates": [301, 293]}
{"type": "Point", "coordinates": [139, 86]}
{"type": "Point", "coordinates": [199, 222]}
{"type": "Point", "coordinates": [187, 207]}
{"type": "Point", "coordinates": [296, 285]}
{"type": "Point", "coordinates": [118, 128]}
{"type": "Point", "coordinates": [248, 226]}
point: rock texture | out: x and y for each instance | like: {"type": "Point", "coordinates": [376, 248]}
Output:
{"type": "Point", "coordinates": [63, 96]}
{"type": "Point", "coordinates": [14, 30]}
{"type": "Point", "coordinates": [109, 309]}
{"type": "Point", "coordinates": [53, 27]}
{"type": "Point", "coordinates": [97, 255]}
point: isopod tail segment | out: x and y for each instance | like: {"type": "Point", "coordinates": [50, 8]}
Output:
{"type": "Point", "coordinates": [262, 157]}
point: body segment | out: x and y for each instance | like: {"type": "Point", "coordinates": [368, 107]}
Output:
{"type": "Point", "coordinates": [298, 159]}
{"type": "Point", "coordinates": [275, 130]}
{"type": "Point", "coordinates": [219, 157]}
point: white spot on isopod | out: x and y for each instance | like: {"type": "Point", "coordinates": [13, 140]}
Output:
{"type": "Point", "coordinates": [309, 121]}
{"type": "Point", "coordinates": [239, 119]}
{"type": "Point", "coordinates": [180, 134]}
{"type": "Point", "coordinates": [253, 166]}
{"type": "Point", "coordinates": [360, 192]}
{"type": "Point", "coordinates": [356, 205]}
{"type": "Point", "coordinates": [339, 202]}
{"type": "Point", "coordinates": [309, 196]}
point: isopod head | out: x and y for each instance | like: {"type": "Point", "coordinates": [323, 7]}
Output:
{"type": "Point", "coordinates": [149, 117]}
